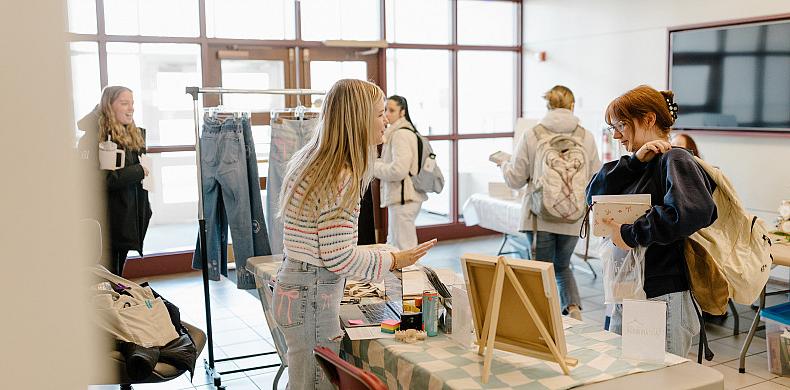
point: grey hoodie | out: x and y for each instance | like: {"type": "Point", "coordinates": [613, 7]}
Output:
{"type": "Point", "coordinates": [518, 170]}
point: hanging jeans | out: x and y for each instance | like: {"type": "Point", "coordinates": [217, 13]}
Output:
{"type": "Point", "coordinates": [306, 306]}
{"type": "Point", "coordinates": [558, 249]}
{"type": "Point", "coordinates": [231, 197]}
{"type": "Point", "coordinates": [288, 136]}
{"type": "Point", "coordinates": [260, 235]}
{"type": "Point", "coordinates": [682, 321]}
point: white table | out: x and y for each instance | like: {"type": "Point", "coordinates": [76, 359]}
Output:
{"type": "Point", "coordinates": [504, 216]}
{"type": "Point", "coordinates": [497, 214]}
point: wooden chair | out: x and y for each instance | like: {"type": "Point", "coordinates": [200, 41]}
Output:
{"type": "Point", "coordinates": [343, 374]}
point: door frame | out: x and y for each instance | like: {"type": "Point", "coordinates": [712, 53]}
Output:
{"type": "Point", "coordinates": [375, 74]}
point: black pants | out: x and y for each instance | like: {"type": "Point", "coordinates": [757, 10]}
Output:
{"type": "Point", "coordinates": [117, 261]}
{"type": "Point", "coordinates": [366, 224]}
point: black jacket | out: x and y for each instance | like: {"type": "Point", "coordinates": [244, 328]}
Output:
{"type": "Point", "coordinates": [682, 204]}
{"type": "Point", "coordinates": [128, 208]}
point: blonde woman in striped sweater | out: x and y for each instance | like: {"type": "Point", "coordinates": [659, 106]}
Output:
{"type": "Point", "coordinates": [320, 207]}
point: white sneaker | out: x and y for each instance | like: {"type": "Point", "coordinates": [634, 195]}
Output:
{"type": "Point", "coordinates": [574, 312]}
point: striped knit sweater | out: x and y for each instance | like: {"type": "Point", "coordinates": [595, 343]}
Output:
{"type": "Point", "coordinates": [325, 236]}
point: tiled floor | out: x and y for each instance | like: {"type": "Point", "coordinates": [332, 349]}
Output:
{"type": "Point", "coordinates": [240, 327]}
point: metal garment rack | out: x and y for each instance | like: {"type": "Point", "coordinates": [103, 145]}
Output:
{"type": "Point", "coordinates": [194, 92]}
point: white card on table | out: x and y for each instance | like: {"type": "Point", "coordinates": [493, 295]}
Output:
{"type": "Point", "coordinates": [622, 208]}
{"type": "Point", "coordinates": [644, 330]}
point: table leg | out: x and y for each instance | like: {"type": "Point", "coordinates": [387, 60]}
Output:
{"type": "Point", "coordinates": [752, 331]}
{"type": "Point", "coordinates": [736, 320]}
{"type": "Point", "coordinates": [502, 247]}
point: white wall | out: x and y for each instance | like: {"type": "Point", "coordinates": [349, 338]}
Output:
{"type": "Point", "coordinates": [602, 48]}
{"type": "Point", "coordinates": [44, 333]}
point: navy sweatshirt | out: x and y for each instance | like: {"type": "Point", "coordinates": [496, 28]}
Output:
{"type": "Point", "coordinates": [680, 193]}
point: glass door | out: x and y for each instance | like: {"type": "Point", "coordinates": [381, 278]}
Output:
{"type": "Point", "coordinates": [252, 68]}
{"type": "Point", "coordinates": [322, 68]}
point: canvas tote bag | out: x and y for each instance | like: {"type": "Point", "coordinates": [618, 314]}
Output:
{"type": "Point", "coordinates": [140, 318]}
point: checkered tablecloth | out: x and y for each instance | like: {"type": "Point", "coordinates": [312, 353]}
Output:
{"type": "Point", "coordinates": [440, 363]}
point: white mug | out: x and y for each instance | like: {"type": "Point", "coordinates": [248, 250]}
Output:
{"type": "Point", "coordinates": [110, 157]}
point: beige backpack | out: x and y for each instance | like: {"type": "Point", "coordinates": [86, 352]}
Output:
{"type": "Point", "coordinates": [730, 258]}
{"type": "Point", "coordinates": [559, 176]}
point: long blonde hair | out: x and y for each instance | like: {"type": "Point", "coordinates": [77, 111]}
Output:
{"type": "Point", "coordinates": [129, 137]}
{"type": "Point", "coordinates": [339, 152]}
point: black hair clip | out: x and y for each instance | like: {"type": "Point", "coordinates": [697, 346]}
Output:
{"type": "Point", "coordinates": [673, 108]}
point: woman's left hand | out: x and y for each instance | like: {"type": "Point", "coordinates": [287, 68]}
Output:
{"type": "Point", "coordinates": [617, 238]}
{"type": "Point", "coordinates": [652, 149]}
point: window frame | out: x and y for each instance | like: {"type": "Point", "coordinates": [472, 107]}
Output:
{"type": "Point", "coordinates": [456, 227]}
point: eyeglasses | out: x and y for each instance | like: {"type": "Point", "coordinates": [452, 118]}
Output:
{"type": "Point", "coordinates": [619, 127]}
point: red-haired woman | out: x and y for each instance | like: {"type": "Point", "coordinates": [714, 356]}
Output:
{"type": "Point", "coordinates": [681, 204]}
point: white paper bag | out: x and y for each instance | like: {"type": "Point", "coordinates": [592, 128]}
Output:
{"type": "Point", "coordinates": [463, 322]}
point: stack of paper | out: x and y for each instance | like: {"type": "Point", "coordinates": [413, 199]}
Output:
{"type": "Point", "coordinates": [499, 157]}
{"type": "Point", "coordinates": [415, 281]}
{"type": "Point", "coordinates": [390, 326]}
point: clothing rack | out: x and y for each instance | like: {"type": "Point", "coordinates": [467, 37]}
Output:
{"type": "Point", "coordinates": [194, 92]}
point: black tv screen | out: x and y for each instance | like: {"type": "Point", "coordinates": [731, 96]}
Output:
{"type": "Point", "coordinates": [732, 77]}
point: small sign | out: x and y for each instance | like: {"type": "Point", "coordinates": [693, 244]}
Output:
{"type": "Point", "coordinates": [644, 330]}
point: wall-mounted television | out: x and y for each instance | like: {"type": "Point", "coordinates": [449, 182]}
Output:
{"type": "Point", "coordinates": [732, 77]}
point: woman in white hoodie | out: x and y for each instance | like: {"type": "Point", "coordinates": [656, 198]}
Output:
{"type": "Point", "coordinates": [397, 163]}
{"type": "Point", "coordinates": [555, 241]}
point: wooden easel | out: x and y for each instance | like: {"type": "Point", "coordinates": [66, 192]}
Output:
{"type": "Point", "coordinates": [487, 338]}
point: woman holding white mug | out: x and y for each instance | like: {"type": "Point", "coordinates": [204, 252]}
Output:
{"type": "Point", "coordinates": [111, 134]}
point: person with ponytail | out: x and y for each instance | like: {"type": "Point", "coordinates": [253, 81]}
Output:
{"type": "Point", "coordinates": [319, 205]}
{"type": "Point", "coordinates": [682, 203]}
{"type": "Point", "coordinates": [398, 162]}
{"type": "Point", "coordinates": [553, 241]}
{"type": "Point", "coordinates": [128, 208]}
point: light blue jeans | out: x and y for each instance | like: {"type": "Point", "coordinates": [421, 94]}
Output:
{"type": "Point", "coordinates": [558, 249]}
{"type": "Point", "coordinates": [287, 138]}
{"type": "Point", "coordinates": [306, 306]}
{"type": "Point", "coordinates": [682, 321]}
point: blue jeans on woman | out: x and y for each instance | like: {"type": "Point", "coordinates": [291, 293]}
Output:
{"type": "Point", "coordinates": [558, 249]}
{"type": "Point", "coordinates": [306, 306]}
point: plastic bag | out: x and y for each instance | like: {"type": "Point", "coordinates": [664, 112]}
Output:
{"type": "Point", "coordinates": [623, 272]}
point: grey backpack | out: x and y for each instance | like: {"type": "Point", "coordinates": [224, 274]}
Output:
{"type": "Point", "coordinates": [429, 177]}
